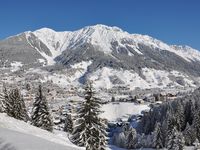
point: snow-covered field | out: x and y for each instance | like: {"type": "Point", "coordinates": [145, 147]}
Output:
{"type": "Point", "coordinates": [114, 111]}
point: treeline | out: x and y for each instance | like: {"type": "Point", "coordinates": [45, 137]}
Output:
{"type": "Point", "coordinates": [171, 125]}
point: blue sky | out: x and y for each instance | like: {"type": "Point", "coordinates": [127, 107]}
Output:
{"type": "Point", "coordinates": [172, 21]}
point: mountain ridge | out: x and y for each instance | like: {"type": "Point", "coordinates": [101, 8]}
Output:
{"type": "Point", "coordinates": [109, 50]}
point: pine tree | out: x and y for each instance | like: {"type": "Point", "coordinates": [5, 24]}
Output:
{"type": "Point", "coordinates": [189, 135]}
{"type": "Point", "coordinates": [164, 132]}
{"type": "Point", "coordinates": [7, 104]}
{"type": "Point", "coordinates": [19, 108]}
{"type": "Point", "coordinates": [188, 112]}
{"type": "Point", "coordinates": [131, 138]}
{"type": "Point", "coordinates": [171, 124]}
{"type": "Point", "coordinates": [179, 115]}
{"type": "Point", "coordinates": [176, 140]}
{"type": "Point", "coordinates": [102, 134]}
{"type": "Point", "coordinates": [13, 104]}
{"type": "Point", "coordinates": [68, 124]}
{"type": "Point", "coordinates": [196, 144]}
{"type": "Point", "coordinates": [41, 116]}
{"type": "Point", "coordinates": [196, 123]}
{"type": "Point", "coordinates": [89, 130]}
{"type": "Point", "coordinates": [157, 137]}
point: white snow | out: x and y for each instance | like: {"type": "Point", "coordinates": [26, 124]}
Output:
{"type": "Point", "coordinates": [59, 79]}
{"type": "Point", "coordinates": [70, 77]}
{"type": "Point", "coordinates": [53, 40]}
{"type": "Point", "coordinates": [16, 65]}
{"type": "Point", "coordinates": [26, 137]}
{"type": "Point", "coordinates": [102, 78]}
{"type": "Point", "coordinates": [82, 65]}
{"type": "Point", "coordinates": [187, 52]}
{"type": "Point", "coordinates": [113, 111]}
{"type": "Point", "coordinates": [156, 78]}
{"type": "Point", "coordinates": [41, 61]}
{"type": "Point", "coordinates": [49, 59]}
{"type": "Point", "coordinates": [153, 78]}
{"type": "Point", "coordinates": [160, 78]}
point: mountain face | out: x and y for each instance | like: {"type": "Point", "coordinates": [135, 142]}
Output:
{"type": "Point", "coordinates": [106, 55]}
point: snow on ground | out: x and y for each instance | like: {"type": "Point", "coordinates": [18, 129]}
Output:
{"type": "Point", "coordinates": [102, 78]}
{"type": "Point", "coordinates": [59, 79]}
{"type": "Point", "coordinates": [23, 141]}
{"type": "Point", "coordinates": [82, 65]}
{"type": "Point", "coordinates": [16, 66]}
{"type": "Point", "coordinates": [70, 76]}
{"type": "Point", "coordinates": [114, 111]}
{"type": "Point", "coordinates": [27, 137]}
{"type": "Point", "coordinates": [160, 78]}
{"type": "Point", "coordinates": [153, 78]}
{"type": "Point", "coordinates": [80, 69]}
{"type": "Point", "coordinates": [42, 61]}
{"type": "Point", "coordinates": [186, 52]}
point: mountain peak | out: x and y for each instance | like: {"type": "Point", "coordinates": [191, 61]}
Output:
{"type": "Point", "coordinates": [47, 30]}
{"type": "Point", "coordinates": [105, 27]}
{"type": "Point", "coordinates": [102, 28]}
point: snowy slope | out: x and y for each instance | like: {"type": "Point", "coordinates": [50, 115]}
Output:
{"type": "Point", "coordinates": [22, 141]}
{"type": "Point", "coordinates": [26, 137]}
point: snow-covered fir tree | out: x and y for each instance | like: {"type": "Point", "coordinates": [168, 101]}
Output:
{"type": "Point", "coordinates": [196, 144]}
{"type": "Point", "coordinates": [176, 140]}
{"type": "Point", "coordinates": [158, 137]}
{"type": "Point", "coordinates": [68, 124]}
{"type": "Point", "coordinates": [119, 139]}
{"type": "Point", "coordinates": [179, 115]}
{"type": "Point", "coordinates": [89, 130]}
{"type": "Point", "coordinates": [145, 141]}
{"type": "Point", "coordinates": [189, 112]}
{"type": "Point", "coordinates": [19, 108]}
{"type": "Point", "coordinates": [196, 123]}
{"type": "Point", "coordinates": [7, 104]}
{"type": "Point", "coordinates": [13, 104]}
{"type": "Point", "coordinates": [131, 138]}
{"type": "Point", "coordinates": [41, 116]}
{"type": "Point", "coordinates": [102, 134]}
{"type": "Point", "coordinates": [189, 135]}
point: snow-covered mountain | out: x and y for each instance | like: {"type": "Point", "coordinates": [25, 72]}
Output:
{"type": "Point", "coordinates": [107, 55]}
